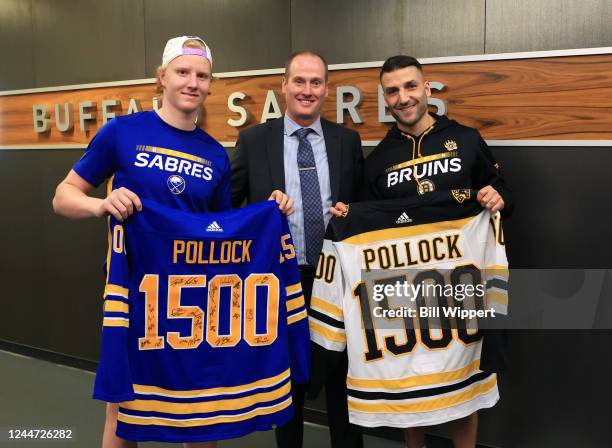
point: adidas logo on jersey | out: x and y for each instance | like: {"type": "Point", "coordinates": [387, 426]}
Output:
{"type": "Point", "coordinates": [403, 219]}
{"type": "Point", "coordinates": [214, 227]}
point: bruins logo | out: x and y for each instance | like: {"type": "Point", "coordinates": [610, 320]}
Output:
{"type": "Point", "coordinates": [450, 145]}
{"type": "Point", "coordinates": [461, 195]}
{"type": "Point", "coordinates": [425, 186]}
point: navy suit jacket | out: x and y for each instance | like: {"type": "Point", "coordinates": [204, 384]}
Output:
{"type": "Point", "coordinates": [258, 168]}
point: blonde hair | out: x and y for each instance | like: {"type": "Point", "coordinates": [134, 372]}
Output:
{"type": "Point", "coordinates": [191, 43]}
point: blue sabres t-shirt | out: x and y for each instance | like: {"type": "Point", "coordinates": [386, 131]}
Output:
{"type": "Point", "coordinates": [187, 170]}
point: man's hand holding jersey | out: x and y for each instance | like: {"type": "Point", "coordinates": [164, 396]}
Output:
{"type": "Point", "coordinates": [339, 210]}
{"type": "Point", "coordinates": [121, 203]}
{"type": "Point", "coordinates": [285, 203]}
{"type": "Point", "coordinates": [490, 199]}
{"type": "Point", "coordinates": [72, 201]}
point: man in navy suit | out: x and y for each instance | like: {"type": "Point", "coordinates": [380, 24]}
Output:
{"type": "Point", "coordinates": [307, 164]}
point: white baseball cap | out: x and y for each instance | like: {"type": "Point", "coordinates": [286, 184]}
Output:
{"type": "Point", "coordinates": [174, 49]}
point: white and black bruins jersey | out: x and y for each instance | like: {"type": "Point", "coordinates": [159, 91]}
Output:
{"type": "Point", "coordinates": [407, 374]}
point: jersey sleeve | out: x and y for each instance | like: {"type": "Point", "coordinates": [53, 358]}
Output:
{"type": "Point", "coordinates": [99, 161]}
{"type": "Point", "coordinates": [297, 317]}
{"type": "Point", "coordinates": [222, 198]}
{"type": "Point", "coordinates": [326, 317]}
{"type": "Point", "coordinates": [487, 172]}
{"type": "Point", "coordinates": [496, 267]}
{"type": "Point", "coordinates": [113, 378]}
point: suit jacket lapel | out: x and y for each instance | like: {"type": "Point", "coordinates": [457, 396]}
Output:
{"type": "Point", "coordinates": [334, 153]}
{"type": "Point", "coordinates": [274, 144]}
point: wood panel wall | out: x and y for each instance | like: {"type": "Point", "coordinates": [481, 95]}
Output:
{"type": "Point", "coordinates": [559, 98]}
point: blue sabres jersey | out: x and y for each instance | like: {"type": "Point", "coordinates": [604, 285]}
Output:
{"type": "Point", "coordinates": [187, 170]}
{"type": "Point", "coordinates": [205, 325]}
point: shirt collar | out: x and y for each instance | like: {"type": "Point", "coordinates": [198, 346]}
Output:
{"type": "Point", "coordinates": [291, 126]}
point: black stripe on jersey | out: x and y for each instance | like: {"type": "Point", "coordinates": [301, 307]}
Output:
{"type": "Point", "coordinates": [497, 283]}
{"type": "Point", "coordinates": [326, 319]}
{"type": "Point", "coordinates": [295, 311]}
{"type": "Point", "coordinates": [117, 314]}
{"type": "Point", "coordinates": [422, 393]}
{"type": "Point", "coordinates": [294, 295]}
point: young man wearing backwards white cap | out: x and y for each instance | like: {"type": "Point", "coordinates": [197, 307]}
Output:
{"type": "Point", "coordinates": [183, 80]}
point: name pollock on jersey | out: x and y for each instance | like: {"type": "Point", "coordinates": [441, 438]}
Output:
{"type": "Point", "coordinates": [211, 252]}
{"type": "Point", "coordinates": [427, 169]}
{"type": "Point", "coordinates": [409, 254]}
{"type": "Point", "coordinates": [173, 165]}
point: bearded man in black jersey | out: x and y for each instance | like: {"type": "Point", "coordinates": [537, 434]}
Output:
{"type": "Point", "coordinates": [424, 152]}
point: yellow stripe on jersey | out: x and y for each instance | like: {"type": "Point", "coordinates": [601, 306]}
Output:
{"type": "Point", "coordinates": [109, 185]}
{"type": "Point", "coordinates": [498, 297]}
{"type": "Point", "coordinates": [317, 302]}
{"type": "Point", "coordinates": [228, 404]}
{"type": "Point", "coordinates": [416, 380]}
{"type": "Point", "coordinates": [109, 190]}
{"type": "Point", "coordinates": [115, 322]}
{"type": "Point", "coordinates": [294, 304]}
{"type": "Point", "coordinates": [327, 333]}
{"type": "Point", "coordinates": [292, 289]}
{"type": "Point", "coordinates": [503, 270]}
{"type": "Point", "coordinates": [265, 382]}
{"type": "Point", "coordinates": [172, 152]}
{"type": "Point", "coordinates": [297, 317]}
{"type": "Point", "coordinates": [439, 156]}
{"type": "Point", "coordinates": [116, 305]}
{"type": "Point", "coordinates": [376, 236]}
{"type": "Point", "coordinates": [426, 405]}
{"type": "Point", "coordinates": [116, 290]}
{"type": "Point", "coordinates": [137, 420]}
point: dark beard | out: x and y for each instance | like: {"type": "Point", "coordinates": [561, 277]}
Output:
{"type": "Point", "coordinates": [421, 111]}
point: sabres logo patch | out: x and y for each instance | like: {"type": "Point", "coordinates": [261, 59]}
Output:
{"type": "Point", "coordinates": [176, 184]}
{"type": "Point", "coordinates": [461, 194]}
